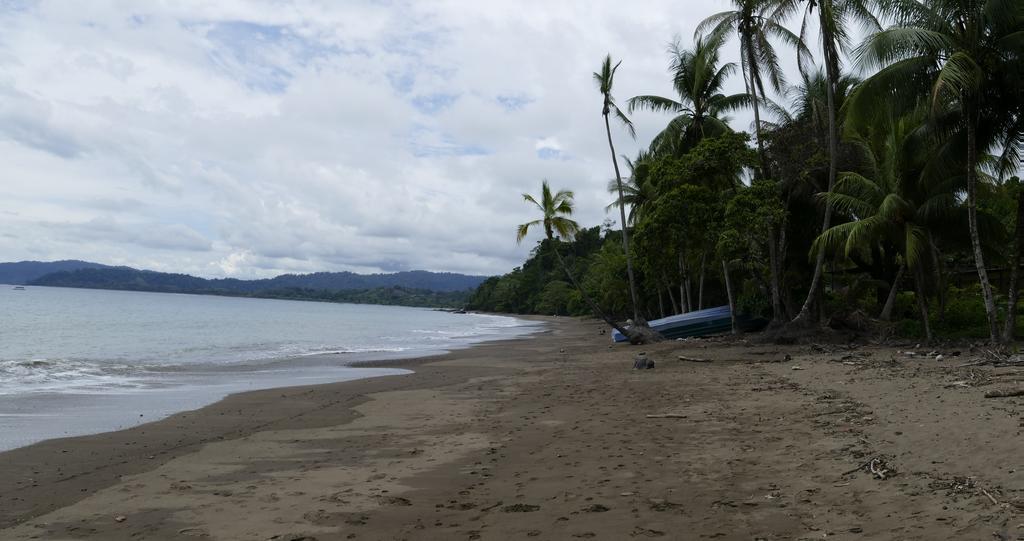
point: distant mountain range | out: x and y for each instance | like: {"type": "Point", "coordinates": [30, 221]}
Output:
{"type": "Point", "coordinates": [418, 288]}
{"type": "Point", "coordinates": [23, 272]}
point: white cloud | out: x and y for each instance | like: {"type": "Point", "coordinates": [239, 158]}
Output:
{"type": "Point", "coordinates": [257, 137]}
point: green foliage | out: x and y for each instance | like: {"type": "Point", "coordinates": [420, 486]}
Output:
{"type": "Point", "coordinates": [555, 299]}
{"type": "Point", "coordinates": [753, 300]}
{"type": "Point", "coordinates": [605, 279]}
{"type": "Point", "coordinates": [698, 80]}
{"type": "Point", "coordinates": [964, 317]}
{"type": "Point", "coordinates": [885, 159]}
{"type": "Point", "coordinates": [714, 162]}
{"type": "Point", "coordinates": [396, 296]}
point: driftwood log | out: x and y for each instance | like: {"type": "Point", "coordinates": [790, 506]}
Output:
{"type": "Point", "coordinates": [1004, 393]}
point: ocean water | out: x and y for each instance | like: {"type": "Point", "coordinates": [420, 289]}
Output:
{"type": "Point", "coordinates": [79, 361]}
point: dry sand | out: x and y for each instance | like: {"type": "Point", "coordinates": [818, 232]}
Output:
{"type": "Point", "coordinates": [551, 438]}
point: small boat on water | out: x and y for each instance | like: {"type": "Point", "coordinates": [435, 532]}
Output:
{"type": "Point", "coordinates": [19, 288]}
{"type": "Point", "coordinates": [700, 323]}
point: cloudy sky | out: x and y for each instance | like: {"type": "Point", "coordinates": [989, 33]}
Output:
{"type": "Point", "coordinates": [250, 138]}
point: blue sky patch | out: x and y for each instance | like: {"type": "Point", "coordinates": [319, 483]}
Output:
{"type": "Point", "coordinates": [434, 103]}
{"type": "Point", "coordinates": [262, 57]}
{"type": "Point", "coordinates": [514, 102]}
{"type": "Point", "coordinates": [425, 142]}
{"type": "Point", "coordinates": [548, 153]}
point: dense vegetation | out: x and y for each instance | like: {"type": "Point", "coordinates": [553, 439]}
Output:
{"type": "Point", "coordinates": [880, 182]}
{"type": "Point", "coordinates": [412, 288]}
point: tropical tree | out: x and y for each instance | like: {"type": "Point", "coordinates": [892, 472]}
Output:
{"type": "Point", "coordinates": [698, 81]}
{"type": "Point", "coordinates": [605, 79]}
{"type": "Point", "coordinates": [755, 215]}
{"type": "Point", "coordinates": [638, 192]}
{"type": "Point", "coordinates": [834, 18]}
{"type": "Point", "coordinates": [755, 22]}
{"type": "Point", "coordinates": [952, 52]}
{"type": "Point", "coordinates": [556, 210]}
{"type": "Point", "coordinates": [897, 202]}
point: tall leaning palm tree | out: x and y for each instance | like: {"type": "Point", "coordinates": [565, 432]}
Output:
{"type": "Point", "coordinates": [698, 80]}
{"type": "Point", "coordinates": [952, 52]}
{"type": "Point", "coordinates": [755, 23]}
{"type": "Point", "coordinates": [556, 210]}
{"type": "Point", "coordinates": [605, 79]}
{"type": "Point", "coordinates": [834, 17]}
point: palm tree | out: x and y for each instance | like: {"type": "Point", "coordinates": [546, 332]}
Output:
{"type": "Point", "coordinates": [898, 201]}
{"type": "Point", "coordinates": [605, 79]}
{"type": "Point", "coordinates": [698, 80]}
{"type": "Point", "coordinates": [556, 209]}
{"type": "Point", "coordinates": [833, 16]}
{"type": "Point", "coordinates": [950, 51]}
{"type": "Point", "coordinates": [755, 21]}
{"type": "Point", "coordinates": [638, 193]}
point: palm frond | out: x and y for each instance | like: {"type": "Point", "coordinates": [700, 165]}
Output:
{"type": "Point", "coordinates": [653, 103]}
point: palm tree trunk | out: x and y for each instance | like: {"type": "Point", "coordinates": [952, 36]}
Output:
{"type": "Point", "coordinates": [773, 262]}
{"type": "Point", "coordinates": [625, 228]}
{"type": "Point", "coordinates": [700, 287]}
{"type": "Point", "coordinates": [684, 285]}
{"type": "Point", "coordinates": [922, 303]}
{"type": "Point", "coordinates": [661, 303]}
{"type": "Point", "coordinates": [940, 276]}
{"type": "Point", "coordinates": [890, 301]}
{"type": "Point", "coordinates": [1009, 330]}
{"type": "Point", "coordinates": [831, 69]}
{"type": "Point", "coordinates": [672, 298]}
{"type": "Point", "coordinates": [972, 221]}
{"type": "Point", "coordinates": [787, 298]}
{"type": "Point", "coordinates": [629, 332]}
{"type": "Point", "coordinates": [757, 109]}
{"type": "Point", "coordinates": [728, 293]}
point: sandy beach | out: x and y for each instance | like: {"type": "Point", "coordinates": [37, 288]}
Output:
{"type": "Point", "coordinates": [555, 437]}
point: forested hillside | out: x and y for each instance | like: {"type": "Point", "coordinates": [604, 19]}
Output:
{"type": "Point", "coordinates": [877, 187]}
{"type": "Point", "coordinates": [413, 288]}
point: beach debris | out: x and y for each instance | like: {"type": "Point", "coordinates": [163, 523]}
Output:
{"type": "Point", "coordinates": [641, 362]}
{"type": "Point", "coordinates": [961, 383]}
{"type": "Point", "coordinates": [646, 532]}
{"type": "Point", "coordinates": [120, 518]}
{"type": "Point", "coordinates": [1004, 393]}
{"type": "Point", "coordinates": [520, 508]}
{"type": "Point", "coordinates": [596, 508]}
{"type": "Point", "coordinates": [661, 505]}
{"type": "Point", "coordinates": [693, 359]}
{"type": "Point", "coordinates": [393, 500]}
{"type": "Point", "coordinates": [989, 496]}
{"type": "Point", "coordinates": [489, 507]}
{"type": "Point", "coordinates": [877, 466]}
{"type": "Point", "coordinates": [958, 485]}
{"type": "Point", "coordinates": [666, 416]}
{"type": "Point", "coordinates": [796, 367]}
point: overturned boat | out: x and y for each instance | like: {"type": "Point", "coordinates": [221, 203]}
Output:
{"type": "Point", "coordinates": [705, 322]}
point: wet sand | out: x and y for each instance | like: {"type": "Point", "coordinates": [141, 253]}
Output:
{"type": "Point", "coordinates": [555, 437]}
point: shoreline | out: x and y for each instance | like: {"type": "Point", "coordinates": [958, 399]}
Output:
{"type": "Point", "coordinates": [555, 437]}
{"type": "Point", "coordinates": [167, 438]}
{"type": "Point", "coordinates": [43, 402]}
